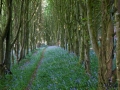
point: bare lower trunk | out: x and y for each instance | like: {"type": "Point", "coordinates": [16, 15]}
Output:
{"type": "Point", "coordinates": [7, 61]}
{"type": "Point", "coordinates": [87, 57]}
{"type": "Point", "coordinates": [1, 55]}
{"type": "Point", "coordinates": [109, 50]}
{"type": "Point", "coordinates": [117, 18]}
{"type": "Point", "coordinates": [82, 53]}
{"type": "Point", "coordinates": [8, 44]}
{"type": "Point", "coordinates": [1, 51]}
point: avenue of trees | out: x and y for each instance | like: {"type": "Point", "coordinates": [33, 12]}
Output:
{"type": "Point", "coordinates": [20, 22]}
{"type": "Point", "coordinates": [78, 25]}
{"type": "Point", "coordinates": [75, 25]}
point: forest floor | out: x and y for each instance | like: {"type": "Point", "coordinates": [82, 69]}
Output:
{"type": "Point", "coordinates": [51, 68]}
{"type": "Point", "coordinates": [35, 71]}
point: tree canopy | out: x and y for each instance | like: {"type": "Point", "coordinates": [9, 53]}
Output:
{"type": "Point", "coordinates": [78, 26]}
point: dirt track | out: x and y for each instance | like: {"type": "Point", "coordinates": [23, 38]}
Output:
{"type": "Point", "coordinates": [35, 71]}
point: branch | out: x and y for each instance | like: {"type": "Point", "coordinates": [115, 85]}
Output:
{"type": "Point", "coordinates": [91, 29]}
{"type": "Point", "coordinates": [33, 13]}
{"type": "Point", "coordinates": [9, 18]}
{"type": "Point", "coordinates": [1, 7]}
{"type": "Point", "coordinates": [82, 5]}
{"type": "Point", "coordinates": [17, 34]}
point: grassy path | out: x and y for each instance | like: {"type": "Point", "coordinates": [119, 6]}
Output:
{"type": "Point", "coordinates": [35, 71]}
{"type": "Point", "coordinates": [22, 72]}
{"type": "Point", "coordinates": [60, 71]}
{"type": "Point", "coordinates": [51, 68]}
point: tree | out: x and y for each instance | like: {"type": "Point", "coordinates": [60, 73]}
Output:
{"type": "Point", "coordinates": [5, 34]}
{"type": "Point", "coordinates": [14, 30]}
{"type": "Point", "coordinates": [104, 51]}
{"type": "Point", "coordinates": [117, 19]}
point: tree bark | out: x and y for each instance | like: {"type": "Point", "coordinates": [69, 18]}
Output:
{"type": "Point", "coordinates": [117, 19]}
{"type": "Point", "coordinates": [104, 50]}
{"type": "Point", "coordinates": [91, 29]}
{"type": "Point", "coordinates": [1, 55]}
{"type": "Point", "coordinates": [8, 28]}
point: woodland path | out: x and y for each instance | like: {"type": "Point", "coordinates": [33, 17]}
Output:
{"type": "Point", "coordinates": [37, 67]}
{"type": "Point", "coordinates": [35, 71]}
{"type": "Point", "coordinates": [50, 68]}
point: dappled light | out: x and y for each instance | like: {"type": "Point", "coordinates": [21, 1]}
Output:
{"type": "Point", "coordinates": [59, 44]}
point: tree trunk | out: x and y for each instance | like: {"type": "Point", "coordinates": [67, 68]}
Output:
{"type": "Point", "coordinates": [8, 51]}
{"type": "Point", "coordinates": [117, 19]}
{"type": "Point", "coordinates": [91, 28]}
{"type": "Point", "coordinates": [1, 55]}
{"type": "Point", "coordinates": [87, 50]}
{"type": "Point", "coordinates": [7, 61]}
{"type": "Point", "coordinates": [105, 51]}
{"type": "Point", "coordinates": [82, 48]}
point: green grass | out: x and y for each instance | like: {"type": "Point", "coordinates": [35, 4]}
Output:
{"type": "Point", "coordinates": [21, 73]}
{"type": "Point", "coordinates": [60, 71]}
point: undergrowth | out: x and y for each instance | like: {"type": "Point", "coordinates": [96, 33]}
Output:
{"type": "Point", "coordinates": [60, 70]}
{"type": "Point", "coordinates": [21, 73]}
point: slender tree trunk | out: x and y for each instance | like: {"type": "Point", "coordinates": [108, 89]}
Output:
{"type": "Point", "coordinates": [117, 19]}
{"type": "Point", "coordinates": [1, 50]}
{"type": "Point", "coordinates": [91, 28]}
{"type": "Point", "coordinates": [1, 55]}
{"type": "Point", "coordinates": [8, 44]}
{"type": "Point", "coordinates": [82, 48]}
{"type": "Point", "coordinates": [8, 51]}
{"type": "Point", "coordinates": [87, 50]}
{"type": "Point", "coordinates": [27, 27]}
